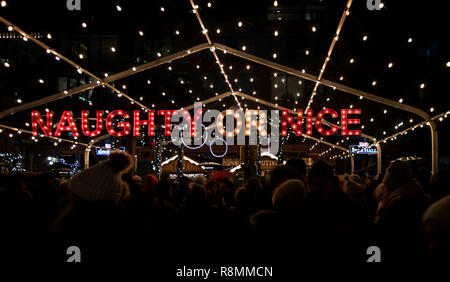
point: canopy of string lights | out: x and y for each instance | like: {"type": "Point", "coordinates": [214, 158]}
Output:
{"type": "Point", "coordinates": [389, 63]}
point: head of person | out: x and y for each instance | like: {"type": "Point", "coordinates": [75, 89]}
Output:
{"type": "Point", "coordinates": [323, 184]}
{"type": "Point", "coordinates": [282, 173]}
{"type": "Point", "coordinates": [289, 196]}
{"type": "Point", "coordinates": [150, 182]}
{"type": "Point", "coordinates": [137, 180]}
{"type": "Point", "coordinates": [436, 225]}
{"type": "Point", "coordinates": [297, 164]}
{"type": "Point", "coordinates": [200, 180]}
{"type": "Point", "coordinates": [397, 174]}
{"type": "Point", "coordinates": [103, 181]}
{"type": "Point", "coordinates": [253, 186]}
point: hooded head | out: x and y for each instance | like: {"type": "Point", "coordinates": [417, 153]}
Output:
{"type": "Point", "coordinates": [102, 182]}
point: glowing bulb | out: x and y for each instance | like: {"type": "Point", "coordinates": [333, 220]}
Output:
{"type": "Point", "coordinates": [177, 32]}
{"type": "Point", "coordinates": [141, 33]}
{"type": "Point", "coordinates": [81, 56]}
{"type": "Point", "coordinates": [113, 49]}
{"type": "Point", "coordinates": [10, 28]}
{"type": "Point", "coordinates": [118, 8]}
{"type": "Point", "coordinates": [6, 64]}
{"type": "Point", "coordinates": [209, 4]}
{"type": "Point", "coordinates": [49, 36]}
{"type": "Point", "coordinates": [400, 100]}
{"type": "Point", "coordinates": [239, 24]}
{"type": "Point", "coordinates": [41, 81]}
{"type": "Point", "coordinates": [313, 29]}
{"type": "Point", "coordinates": [390, 65]}
{"type": "Point", "coordinates": [274, 55]}
{"type": "Point", "coordinates": [275, 3]}
{"type": "Point", "coordinates": [3, 3]}
{"type": "Point", "coordinates": [448, 64]}
{"type": "Point", "coordinates": [364, 37]}
{"type": "Point", "coordinates": [218, 30]}
{"type": "Point", "coordinates": [374, 83]}
{"type": "Point", "coordinates": [307, 52]}
{"type": "Point", "coordinates": [244, 48]}
{"type": "Point", "coordinates": [162, 9]}
{"type": "Point", "coordinates": [19, 101]}
{"type": "Point", "coordinates": [410, 40]}
{"type": "Point", "coordinates": [422, 85]}
{"type": "Point", "coordinates": [352, 61]}
{"type": "Point", "coordinates": [341, 78]}
{"type": "Point", "coordinates": [431, 109]}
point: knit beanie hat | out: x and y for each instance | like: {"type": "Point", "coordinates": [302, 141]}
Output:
{"type": "Point", "coordinates": [397, 174]}
{"type": "Point", "coordinates": [289, 196]}
{"type": "Point", "coordinates": [439, 213]}
{"type": "Point", "coordinates": [103, 181]}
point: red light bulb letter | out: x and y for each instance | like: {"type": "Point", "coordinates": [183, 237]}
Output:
{"type": "Point", "coordinates": [124, 125]}
{"type": "Point", "coordinates": [85, 123]}
{"type": "Point", "coordinates": [36, 120]}
{"type": "Point", "coordinates": [345, 122]}
{"type": "Point", "coordinates": [309, 118]}
{"type": "Point", "coordinates": [150, 123]}
{"type": "Point", "coordinates": [67, 116]}
{"type": "Point", "coordinates": [167, 115]}
{"type": "Point", "coordinates": [319, 122]}
{"type": "Point", "coordinates": [286, 117]}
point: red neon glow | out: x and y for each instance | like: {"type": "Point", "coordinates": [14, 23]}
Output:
{"type": "Point", "coordinates": [150, 123]}
{"type": "Point", "coordinates": [85, 123]}
{"type": "Point", "coordinates": [345, 121]}
{"type": "Point", "coordinates": [67, 116]}
{"type": "Point", "coordinates": [319, 127]}
{"type": "Point", "coordinates": [124, 125]}
{"type": "Point", "coordinates": [36, 119]}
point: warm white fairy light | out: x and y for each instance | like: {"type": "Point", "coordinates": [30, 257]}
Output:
{"type": "Point", "coordinates": [141, 33]}
{"type": "Point", "coordinates": [81, 56]}
{"type": "Point", "coordinates": [307, 52]}
{"type": "Point", "coordinates": [352, 61]}
{"type": "Point", "coordinates": [118, 8]}
{"type": "Point", "coordinates": [274, 55]}
{"type": "Point", "coordinates": [341, 78]}
{"type": "Point", "coordinates": [49, 36]}
{"type": "Point", "coordinates": [239, 24]}
{"type": "Point", "coordinates": [19, 101]}
{"type": "Point", "coordinates": [390, 65]}
{"type": "Point", "coordinates": [244, 48]}
{"type": "Point", "coordinates": [3, 3]}
{"type": "Point", "coordinates": [40, 80]}
{"type": "Point", "coordinates": [422, 85]}
{"type": "Point", "coordinates": [275, 33]}
{"type": "Point", "coordinates": [84, 25]}
{"type": "Point", "coordinates": [385, 112]}
{"type": "Point", "coordinates": [364, 38]}
{"type": "Point", "coordinates": [275, 3]}
{"type": "Point", "coordinates": [209, 4]}
{"type": "Point", "coordinates": [448, 64]}
{"type": "Point", "coordinates": [10, 28]}
{"type": "Point", "coordinates": [6, 64]}
{"type": "Point", "coordinates": [374, 83]}
{"type": "Point", "coordinates": [410, 40]}
{"type": "Point", "coordinates": [431, 109]}
{"type": "Point", "coordinates": [113, 49]}
{"type": "Point", "coordinates": [218, 30]}
{"type": "Point", "coordinates": [162, 9]}
{"type": "Point", "coordinates": [400, 100]}
{"type": "Point", "coordinates": [314, 29]}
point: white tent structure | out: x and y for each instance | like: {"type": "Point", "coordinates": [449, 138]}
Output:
{"type": "Point", "coordinates": [214, 48]}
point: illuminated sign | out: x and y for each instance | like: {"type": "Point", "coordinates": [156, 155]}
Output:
{"type": "Point", "coordinates": [106, 150]}
{"type": "Point", "coordinates": [118, 122]}
{"type": "Point", "coordinates": [363, 150]}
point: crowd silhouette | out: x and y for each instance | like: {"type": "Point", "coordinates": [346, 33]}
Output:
{"type": "Point", "coordinates": [299, 215]}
